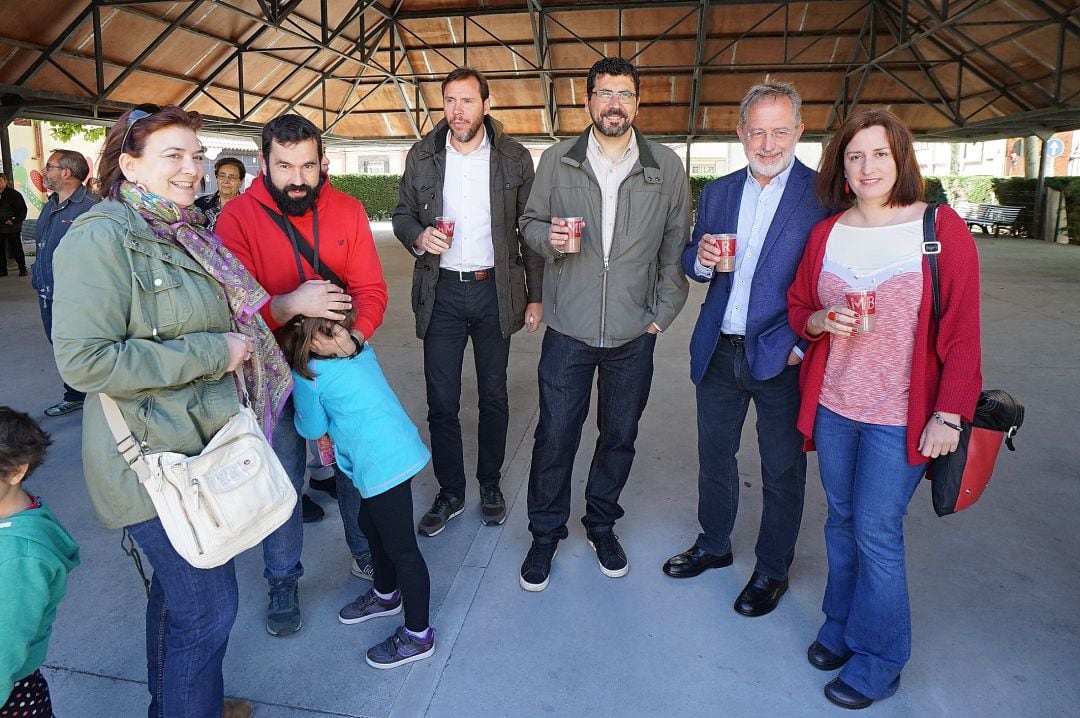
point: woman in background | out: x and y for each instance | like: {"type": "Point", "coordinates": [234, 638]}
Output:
{"type": "Point", "coordinates": [230, 174]}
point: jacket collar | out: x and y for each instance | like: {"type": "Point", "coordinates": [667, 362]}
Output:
{"type": "Point", "coordinates": [579, 152]}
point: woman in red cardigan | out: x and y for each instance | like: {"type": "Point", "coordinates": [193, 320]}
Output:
{"type": "Point", "coordinates": [878, 402]}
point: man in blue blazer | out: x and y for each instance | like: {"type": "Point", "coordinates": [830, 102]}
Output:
{"type": "Point", "coordinates": [743, 348]}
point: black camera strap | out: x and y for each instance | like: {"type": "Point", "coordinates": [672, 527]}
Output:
{"type": "Point", "coordinates": [301, 247]}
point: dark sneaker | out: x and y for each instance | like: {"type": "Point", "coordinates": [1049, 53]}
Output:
{"type": "Point", "coordinates": [443, 508]}
{"type": "Point", "coordinates": [399, 649]}
{"type": "Point", "coordinates": [537, 565]}
{"type": "Point", "coordinates": [309, 510]}
{"type": "Point", "coordinates": [362, 568]}
{"type": "Point", "coordinates": [328, 486]}
{"type": "Point", "coordinates": [63, 407]}
{"type": "Point", "coordinates": [283, 612]}
{"type": "Point", "coordinates": [368, 606]}
{"type": "Point", "coordinates": [492, 505]}
{"type": "Point", "coordinates": [609, 554]}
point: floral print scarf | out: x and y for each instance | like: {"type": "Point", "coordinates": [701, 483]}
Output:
{"type": "Point", "coordinates": [267, 378]}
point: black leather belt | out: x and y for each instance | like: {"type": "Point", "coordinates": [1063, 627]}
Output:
{"type": "Point", "coordinates": [478, 275]}
{"type": "Point", "coordinates": [734, 339]}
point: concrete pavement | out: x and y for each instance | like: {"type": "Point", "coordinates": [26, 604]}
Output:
{"type": "Point", "coordinates": [995, 590]}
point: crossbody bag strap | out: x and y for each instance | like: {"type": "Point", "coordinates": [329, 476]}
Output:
{"type": "Point", "coordinates": [126, 443]}
{"type": "Point", "coordinates": [932, 248]}
{"type": "Point", "coordinates": [301, 247]}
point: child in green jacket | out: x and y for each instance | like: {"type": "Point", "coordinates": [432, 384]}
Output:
{"type": "Point", "coordinates": [36, 554]}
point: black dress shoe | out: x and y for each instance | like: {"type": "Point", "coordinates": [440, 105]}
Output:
{"type": "Point", "coordinates": [823, 659]}
{"type": "Point", "coordinates": [843, 695]}
{"type": "Point", "coordinates": [760, 595]}
{"type": "Point", "coordinates": [694, 562]}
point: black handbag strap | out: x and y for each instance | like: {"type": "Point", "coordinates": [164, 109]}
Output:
{"type": "Point", "coordinates": [301, 247]}
{"type": "Point", "coordinates": [932, 248]}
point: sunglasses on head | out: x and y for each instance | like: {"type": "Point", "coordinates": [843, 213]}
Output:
{"type": "Point", "coordinates": [141, 112]}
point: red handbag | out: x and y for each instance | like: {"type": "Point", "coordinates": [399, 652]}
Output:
{"type": "Point", "coordinates": [959, 478]}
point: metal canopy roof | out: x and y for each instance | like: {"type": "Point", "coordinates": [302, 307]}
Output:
{"type": "Point", "coordinates": [370, 69]}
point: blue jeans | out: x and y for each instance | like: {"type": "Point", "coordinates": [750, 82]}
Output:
{"type": "Point", "coordinates": [723, 396]}
{"type": "Point", "coordinates": [45, 305]}
{"type": "Point", "coordinates": [868, 483]}
{"type": "Point", "coordinates": [188, 618]}
{"type": "Point", "coordinates": [566, 371]}
{"type": "Point", "coordinates": [281, 549]}
{"type": "Point", "coordinates": [348, 498]}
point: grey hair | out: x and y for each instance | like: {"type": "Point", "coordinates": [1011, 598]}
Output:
{"type": "Point", "coordinates": [771, 90]}
{"type": "Point", "coordinates": [74, 162]}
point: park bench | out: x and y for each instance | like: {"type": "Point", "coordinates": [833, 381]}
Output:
{"type": "Point", "coordinates": [994, 216]}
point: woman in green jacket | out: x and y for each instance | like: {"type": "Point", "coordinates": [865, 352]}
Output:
{"type": "Point", "coordinates": [150, 309]}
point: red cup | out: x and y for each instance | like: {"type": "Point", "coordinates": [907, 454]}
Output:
{"type": "Point", "coordinates": [864, 303]}
{"type": "Point", "coordinates": [327, 455]}
{"type": "Point", "coordinates": [573, 239]}
{"type": "Point", "coordinates": [446, 226]}
{"type": "Point", "coordinates": [725, 244]}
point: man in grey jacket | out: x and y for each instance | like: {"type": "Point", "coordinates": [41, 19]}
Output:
{"type": "Point", "coordinates": [69, 199]}
{"type": "Point", "coordinates": [477, 281]}
{"type": "Point", "coordinates": [604, 307]}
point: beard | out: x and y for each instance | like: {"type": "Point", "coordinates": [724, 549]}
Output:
{"type": "Point", "coordinates": [293, 206]}
{"type": "Point", "coordinates": [469, 132]}
{"type": "Point", "coordinates": [772, 168]}
{"type": "Point", "coordinates": [617, 130]}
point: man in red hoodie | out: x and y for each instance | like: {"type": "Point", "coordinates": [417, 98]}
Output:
{"type": "Point", "coordinates": [310, 246]}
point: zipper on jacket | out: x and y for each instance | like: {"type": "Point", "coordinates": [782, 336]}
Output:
{"type": "Point", "coordinates": [603, 301]}
{"type": "Point", "coordinates": [555, 300]}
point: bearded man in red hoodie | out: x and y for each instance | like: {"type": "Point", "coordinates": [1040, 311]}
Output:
{"type": "Point", "coordinates": [310, 246]}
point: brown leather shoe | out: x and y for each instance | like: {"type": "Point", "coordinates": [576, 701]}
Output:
{"type": "Point", "coordinates": [237, 708]}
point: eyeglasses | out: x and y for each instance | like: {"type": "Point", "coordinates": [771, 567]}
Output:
{"type": "Point", "coordinates": [609, 95]}
{"type": "Point", "coordinates": [141, 112]}
{"type": "Point", "coordinates": [232, 178]}
{"type": "Point", "coordinates": [50, 166]}
{"type": "Point", "coordinates": [781, 135]}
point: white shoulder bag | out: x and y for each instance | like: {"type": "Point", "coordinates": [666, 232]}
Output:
{"type": "Point", "coordinates": [220, 503]}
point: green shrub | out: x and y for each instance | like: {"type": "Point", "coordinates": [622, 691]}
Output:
{"type": "Point", "coordinates": [1018, 192]}
{"type": "Point", "coordinates": [975, 188]}
{"type": "Point", "coordinates": [934, 191]}
{"type": "Point", "coordinates": [1070, 187]}
{"type": "Point", "coordinates": [379, 193]}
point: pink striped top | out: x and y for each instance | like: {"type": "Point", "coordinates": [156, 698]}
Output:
{"type": "Point", "coordinates": [867, 376]}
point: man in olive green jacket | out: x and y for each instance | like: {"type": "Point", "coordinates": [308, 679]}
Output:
{"type": "Point", "coordinates": [480, 284]}
{"type": "Point", "coordinates": [604, 307]}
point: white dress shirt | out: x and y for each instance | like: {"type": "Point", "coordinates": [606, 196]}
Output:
{"type": "Point", "coordinates": [466, 196]}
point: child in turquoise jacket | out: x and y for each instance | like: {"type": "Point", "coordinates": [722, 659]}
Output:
{"type": "Point", "coordinates": [343, 393]}
{"type": "Point", "coordinates": [36, 554]}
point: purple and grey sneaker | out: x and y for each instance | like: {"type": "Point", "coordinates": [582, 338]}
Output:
{"type": "Point", "coordinates": [399, 649]}
{"type": "Point", "coordinates": [368, 606]}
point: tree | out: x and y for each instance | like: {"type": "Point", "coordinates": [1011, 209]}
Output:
{"type": "Point", "coordinates": [64, 131]}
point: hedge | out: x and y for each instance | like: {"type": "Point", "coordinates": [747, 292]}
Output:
{"type": "Point", "coordinates": [379, 193]}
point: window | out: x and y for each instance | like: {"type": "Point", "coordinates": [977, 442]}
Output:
{"type": "Point", "coordinates": [374, 165]}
